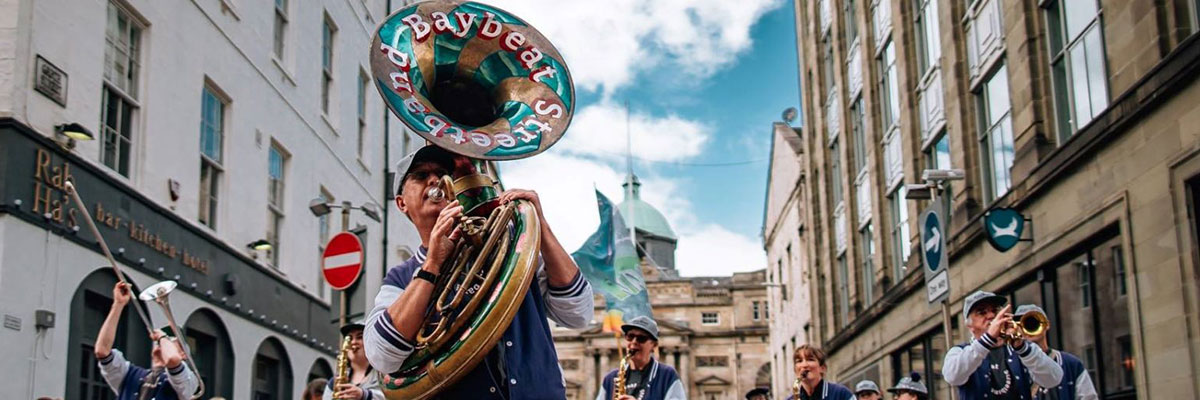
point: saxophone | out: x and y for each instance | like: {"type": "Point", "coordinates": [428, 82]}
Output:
{"type": "Point", "coordinates": [796, 389]}
{"type": "Point", "coordinates": [343, 365]}
{"type": "Point", "coordinates": [619, 381]}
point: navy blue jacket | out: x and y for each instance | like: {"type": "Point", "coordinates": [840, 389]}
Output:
{"type": "Point", "coordinates": [827, 391]}
{"type": "Point", "coordinates": [663, 383]}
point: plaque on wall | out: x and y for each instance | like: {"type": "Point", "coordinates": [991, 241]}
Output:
{"type": "Point", "coordinates": [50, 81]}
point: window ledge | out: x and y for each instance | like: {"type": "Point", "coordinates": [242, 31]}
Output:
{"type": "Point", "coordinates": [228, 7]}
{"type": "Point", "coordinates": [329, 124]}
{"type": "Point", "coordinates": [363, 164]}
{"type": "Point", "coordinates": [286, 74]}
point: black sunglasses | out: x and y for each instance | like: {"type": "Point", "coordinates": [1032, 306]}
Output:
{"type": "Point", "coordinates": [637, 338]}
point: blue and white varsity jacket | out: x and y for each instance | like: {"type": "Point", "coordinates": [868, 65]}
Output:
{"type": "Point", "coordinates": [1076, 383]}
{"type": "Point", "coordinates": [827, 391]}
{"type": "Point", "coordinates": [663, 384]}
{"type": "Point", "coordinates": [529, 364]}
{"type": "Point", "coordinates": [125, 379]}
{"type": "Point", "coordinates": [967, 368]}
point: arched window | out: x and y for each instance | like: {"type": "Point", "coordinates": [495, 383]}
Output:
{"type": "Point", "coordinates": [319, 370]}
{"type": "Point", "coordinates": [272, 372]}
{"type": "Point", "coordinates": [89, 307]}
{"type": "Point", "coordinates": [212, 352]}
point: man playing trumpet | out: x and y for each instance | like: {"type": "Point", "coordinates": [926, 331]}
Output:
{"type": "Point", "coordinates": [645, 378]}
{"type": "Point", "coordinates": [126, 379]}
{"type": "Point", "coordinates": [524, 364]}
{"type": "Point", "coordinates": [1076, 383]}
{"type": "Point", "coordinates": [997, 363]}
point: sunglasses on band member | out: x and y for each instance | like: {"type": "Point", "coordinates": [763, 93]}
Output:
{"type": "Point", "coordinates": [637, 338]}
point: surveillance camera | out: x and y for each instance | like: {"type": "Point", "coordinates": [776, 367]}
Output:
{"type": "Point", "coordinates": [943, 175]}
{"type": "Point", "coordinates": [917, 191]}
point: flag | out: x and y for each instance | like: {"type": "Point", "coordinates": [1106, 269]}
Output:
{"type": "Point", "coordinates": [610, 263]}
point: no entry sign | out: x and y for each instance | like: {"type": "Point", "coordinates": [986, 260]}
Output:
{"type": "Point", "coordinates": [342, 260]}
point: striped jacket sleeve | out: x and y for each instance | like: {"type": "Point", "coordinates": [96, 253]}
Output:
{"type": "Point", "coordinates": [386, 349]}
{"type": "Point", "coordinates": [570, 306]}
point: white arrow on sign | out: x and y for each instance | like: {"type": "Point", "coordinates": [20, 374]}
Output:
{"type": "Point", "coordinates": [935, 237]}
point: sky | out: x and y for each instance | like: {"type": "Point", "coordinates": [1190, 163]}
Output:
{"type": "Point", "coordinates": [704, 80]}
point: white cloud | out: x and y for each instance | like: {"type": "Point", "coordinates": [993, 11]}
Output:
{"type": "Point", "coordinates": [715, 251]}
{"type": "Point", "coordinates": [599, 130]}
{"type": "Point", "coordinates": [607, 43]}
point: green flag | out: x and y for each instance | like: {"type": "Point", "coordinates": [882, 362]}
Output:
{"type": "Point", "coordinates": [610, 263]}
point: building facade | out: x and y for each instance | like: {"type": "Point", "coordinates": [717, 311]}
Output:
{"type": "Point", "coordinates": [783, 239]}
{"type": "Point", "coordinates": [1081, 115]}
{"type": "Point", "coordinates": [215, 124]}
{"type": "Point", "coordinates": [712, 330]}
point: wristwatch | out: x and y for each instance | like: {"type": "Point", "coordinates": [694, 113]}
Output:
{"type": "Point", "coordinates": [426, 275]}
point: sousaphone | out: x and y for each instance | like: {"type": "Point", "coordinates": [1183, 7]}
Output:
{"type": "Point", "coordinates": [481, 83]}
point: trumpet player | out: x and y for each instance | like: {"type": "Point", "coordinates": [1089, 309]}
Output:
{"type": "Point", "coordinates": [127, 379]}
{"type": "Point", "coordinates": [645, 378]}
{"type": "Point", "coordinates": [524, 364]}
{"type": "Point", "coordinates": [363, 383]}
{"type": "Point", "coordinates": [1076, 383]}
{"type": "Point", "coordinates": [997, 363]}
{"type": "Point", "coordinates": [809, 364]}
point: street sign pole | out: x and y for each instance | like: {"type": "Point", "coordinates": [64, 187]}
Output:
{"type": "Point", "coordinates": [342, 293]}
{"type": "Point", "coordinates": [937, 261]}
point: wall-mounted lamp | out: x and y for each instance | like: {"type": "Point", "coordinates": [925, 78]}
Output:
{"type": "Point", "coordinates": [259, 245]}
{"type": "Point", "coordinates": [73, 131]}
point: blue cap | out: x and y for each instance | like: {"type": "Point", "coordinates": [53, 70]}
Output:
{"type": "Point", "coordinates": [644, 323]}
{"type": "Point", "coordinates": [910, 383]}
{"type": "Point", "coordinates": [866, 385]}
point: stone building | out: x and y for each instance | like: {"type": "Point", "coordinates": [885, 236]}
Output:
{"type": "Point", "coordinates": [216, 123]}
{"type": "Point", "coordinates": [1081, 114]}
{"type": "Point", "coordinates": [713, 330]}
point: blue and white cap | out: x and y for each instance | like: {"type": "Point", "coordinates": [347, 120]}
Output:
{"type": "Point", "coordinates": [910, 384]}
{"type": "Point", "coordinates": [981, 296]}
{"type": "Point", "coordinates": [1027, 308]}
{"type": "Point", "coordinates": [866, 385]}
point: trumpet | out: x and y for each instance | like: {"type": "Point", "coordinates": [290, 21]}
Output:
{"type": "Point", "coordinates": [158, 293]}
{"type": "Point", "coordinates": [1031, 324]}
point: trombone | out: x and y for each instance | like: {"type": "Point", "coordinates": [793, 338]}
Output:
{"type": "Point", "coordinates": [158, 293]}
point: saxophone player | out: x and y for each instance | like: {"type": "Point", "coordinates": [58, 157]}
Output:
{"type": "Point", "coordinates": [645, 378]}
{"type": "Point", "coordinates": [362, 383]}
{"type": "Point", "coordinates": [524, 364]}
{"type": "Point", "coordinates": [810, 372]}
{"type": "Point", "coordinates": [127, 379]}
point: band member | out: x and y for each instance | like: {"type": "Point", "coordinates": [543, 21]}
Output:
{"type": "Point", "coordinates": [364, 382]}
{"type": "Point", "coordinates": [866, 390]}
{"type": "Point", "coordinates": [646, 379]}
{"type": "Point", "coordinates": [1076, 383]}
{"type": "Point", "coordinates": [810, 371]}
{"type": "Point", "coordinates": [314, 389]}
{"type": "Point", "coordinates": [524, 363]}
{"type": "Point", "coordinates": [126, 379]}
{"type": "Point", "coordinates": [758, 394]}
{"type": "Point", "coordinates": [910, 388]}
{"type": "Point", "coordinates": [991, 366]}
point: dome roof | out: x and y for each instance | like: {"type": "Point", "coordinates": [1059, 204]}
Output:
{"type": "Point", "coordinates": [645, 216]}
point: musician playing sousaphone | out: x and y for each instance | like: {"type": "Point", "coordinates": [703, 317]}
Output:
{"type": "Point", "coordinates": [363, 382]}
{"type": "Point", "coordinates": [644, 377]}
{"type": "Point", "coordinates": [996, 363]}
{"type": "Point", "coordinates": [524, 364]}
{"type": "Point", "coordinates": [127, 379]}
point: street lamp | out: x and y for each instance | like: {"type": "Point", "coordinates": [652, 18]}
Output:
{"type": "Point", "coordinates": [73, 131]}
{"type": "Point", "coordinates": [320, 208]}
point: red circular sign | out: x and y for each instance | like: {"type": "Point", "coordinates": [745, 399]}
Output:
{"type": "Point", "coordinates": [342, 260]}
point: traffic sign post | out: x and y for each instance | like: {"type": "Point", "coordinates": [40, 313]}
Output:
{"type": "Point", "coordinates": [933, 248]}
{"type": "Point", "coordinates": [341, 264]}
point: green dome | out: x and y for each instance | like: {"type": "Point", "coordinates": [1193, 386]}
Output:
{"type": "Point", "coordinates": [646, 217]}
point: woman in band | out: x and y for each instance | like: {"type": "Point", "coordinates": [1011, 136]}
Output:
{"type": "Point", "coordinates": [810, 372]}
{"type": "Point", "coordinates": [126, 379]}
{"type": "Point", "coordinates": [364, 382]}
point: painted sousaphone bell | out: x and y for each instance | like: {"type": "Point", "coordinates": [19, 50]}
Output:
{"type": "Point", "coordinates": [484, 85]}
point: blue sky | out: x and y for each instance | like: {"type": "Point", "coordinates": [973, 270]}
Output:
{"type": "Point", "coordinates": [704, 79]}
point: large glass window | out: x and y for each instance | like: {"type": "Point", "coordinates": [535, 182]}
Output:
{"type": "Point", "coordinates": [119, 92]}
{"type": "Point", "coordinates": [889, 87]}
{"type": "Point", "coordinates": [212, 133]}
{"type": "Point", "coordinates": [937, 156]}
{"type": "Point", "coordinates": [995, 134]}
{"type": "Point", "coordinates": [925, 356]}
{"type": "Point", "coordinates": [859, 134]}
{"type": "Point", "coordinates": [843, 314]}
{"type": "Point", "coordinates": [281, 21]}
{"type": "Point", "coordinates": [835, 173]}
{"type": "Point", "coordinates": [276, 159]}
{"type": "Point", "coordinates": [1077, 61]}
{"type": "Point", "coordinates": [901, 247]}
{"type": "Point", "coordinates": [926, 25]}
{"type": "Point", "coordinates": [827, 71]}
{"type": "Point", "coordinates": [850, 22]}
{"type": "Point", "coordinates": [867, 264]}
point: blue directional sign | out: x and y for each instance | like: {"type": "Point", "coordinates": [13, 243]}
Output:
{"type": "Point", "coordinates": [1004, 227]}
{"type": "Point", "coordinates": [933, 248]}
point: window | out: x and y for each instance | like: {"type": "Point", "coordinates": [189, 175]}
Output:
{"type": "Point", "coordinates": [1077, 62]}
{"type": "Point", "coordinates": [827, 71]}
{"type": "Point", "coordinates": [835, 173]}
{"type": "Point", "coordinates": [857, 131]}
{"type": "Point", "coordinates": [900, 235]}
{"type": "Point", "coordinates": [889, 87]}
{"type": "Point", "coordinates": [928, 43]}
{"type": "Point", "coordinates": [322, 238]}
{"type": "Point", "coordinates": [281, 21]}
{"type": "Point", "coordinates": [1118, 260]}
{"type": "Point", "coordinates": [276, 158]}
{"type": "Point", "coordinates": [712, 361]}
{"type": "Point", "coordinates": [710, 318]}
{"type": "Point", "coordinates": [850, 23]}
{"type": "Point", "coordinates": [88, 308]}
{"type": "Point", "coordinates": [1083, 270]}
{"type": "Point", "coordinates": [327, 32]}
{"type": "Point", "coordinates": [212, 133]}
{"type": "Point", "coordinates": [867, 264]}
{"type": "Point", "coordinates": [843, 314]}
{"type": "Point", "coordinates": [995, 135]}
{"type": "Point", "coordinates": [924, 355]}
{"type": "Point", "coordinates": [119, 92]}
{"type": "Point", "coordinates": [272, 371]}
{"type": "Point", "coordinates": [756, 311]}
{"type": "Point", "coordinates": [362, 112]}
{"type": "Point", "coordinates": [212, 351]}
{"type": "Point", "coordinates": [766, 307]}
{"type": "Point", "coordinates": [937, 156]}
